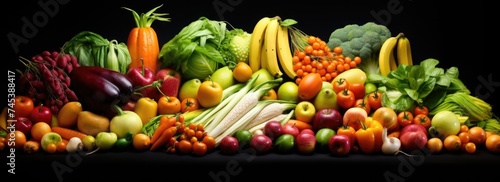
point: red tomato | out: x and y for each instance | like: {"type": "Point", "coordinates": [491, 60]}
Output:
{"type": "Point", "coordinates": [189, 104]}
{"type": "Point", "coordinates": [423, 120]}
{"type": "Point", "coordinates": [169, 105]}
{"type": "Point", "coordinates": [340, 85]}
{"type": "Point", "coordinates": [345, 99]}
{"type": "Point", "coordinates": [405, 118]}
{"type": "Point", "coordinates": [358, 90]}
{"type": "Point", "coordinates": [420, 110]}
{"type": "Point", "coordinates": [23, 105]}
{"type": "Point", "coordinates": [363, 103]}
{"type": "Point", "coordinates": [375, 100]}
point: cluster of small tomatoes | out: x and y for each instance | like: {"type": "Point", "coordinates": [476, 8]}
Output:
{"type": "Point", "coordinates": [317, 57]}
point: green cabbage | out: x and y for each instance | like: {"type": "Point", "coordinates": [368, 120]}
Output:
{"type": "Point", "coordinates": [194, 51]}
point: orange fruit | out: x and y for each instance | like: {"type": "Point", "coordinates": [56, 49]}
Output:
{"type": "Point", "coordinates": [309, 86]}
{"type": "Point", "coordinates": [39, 129]}
{"type": "Point", "coordinates": [477, 135]}
{"type": "Point", "coordinates": [435, 145]}
{"type": "Point", "coordinates": [493, 143]}
{"type": "Point", "coordinates": [242, 72]}
{"type": "Point", "coordinates": [20, 139]}
{"type": "Point", "coordinates": [141, 142]}
{"type": "Point", "coordinates": [452, 143]}
{"type": "Point", "coordinates": [270, 95]}
{"type": "Point", "coordinates": [68, 115]}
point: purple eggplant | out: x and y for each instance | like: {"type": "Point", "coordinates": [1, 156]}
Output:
{"type": "Point", "coordinates": [99, 89]}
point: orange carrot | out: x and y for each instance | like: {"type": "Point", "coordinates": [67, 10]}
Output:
{"type": "Point", "coordinates": [165, 123]}
{"type": "Point", "coordinates": [67, 133]}
{"type": "Point", "coordinates": [164, 138]}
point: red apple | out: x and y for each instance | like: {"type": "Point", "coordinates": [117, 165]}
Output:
{"type": "Point", "coordinates": [229, 145]}
{"type": "Point", "coordinates": [339, 145]}
{"type": "Point", "coordinates": [290, 129]}
{"type": "Point", "coordinates": [41, 113]}
{"type": "Point", "coordinates": [170, 81]}
{"type": "Point", "coordinates": [306, 143]}
{"type": "Point", "coordinates": [307, 130]}
{"type": "Point", "coordinates": [24, 125]}
{"type": "Point", "coordinates": [273, 129]}
{"type": "Point", "coordinates": [261, 143]}
{"type": "Point", "coordinates": [327, 118]}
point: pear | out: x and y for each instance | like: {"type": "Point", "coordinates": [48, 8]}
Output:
{"type": "Point", "coordinates": [264, 75]}
{"type": "Point", "coordinates": [326, 98]}
{"type": "Point", "coordinates": [189, 89]}
{"type": "Point", "coordinates": [223, 76]}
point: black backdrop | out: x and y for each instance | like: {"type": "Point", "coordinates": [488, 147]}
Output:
{"type": "Point", "coordinates": [452, 33]}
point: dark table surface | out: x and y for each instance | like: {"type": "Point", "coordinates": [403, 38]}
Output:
{"type": "Point", "coordinates": [247, 166]}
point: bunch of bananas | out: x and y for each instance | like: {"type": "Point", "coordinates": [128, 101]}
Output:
{"type": "Point", "coordinates": [270, 48]}
{"type": "Point", "coordinates": [394, 49]}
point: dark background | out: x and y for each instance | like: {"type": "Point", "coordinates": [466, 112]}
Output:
{"type": "Point", "coordinates": [453, 33]}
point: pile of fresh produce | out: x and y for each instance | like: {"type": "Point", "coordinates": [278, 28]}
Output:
{"type": "Point", "coordinates": [216, 88]}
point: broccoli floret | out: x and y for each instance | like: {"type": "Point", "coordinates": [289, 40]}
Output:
{"type": "Point", "coordinates": [235, 45]}
{"type": "Point", "coordinates": [364, 41]}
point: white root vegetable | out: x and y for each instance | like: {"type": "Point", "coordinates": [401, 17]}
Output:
{"type": "Point", "coordinates": [75, 144]}
{"type": "Point", "coordinates": [391, 145]}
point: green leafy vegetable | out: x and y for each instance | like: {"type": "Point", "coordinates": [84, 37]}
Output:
{"type": "Point", "coordinates": [235, 46]}
{"type": "Point", "coordinates": [194, 51]}
{"type": "Point", "coordinates": [423, 84]}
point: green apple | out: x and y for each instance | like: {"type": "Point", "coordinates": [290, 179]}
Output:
{"type": "Point", "coordinates": [189, 89]}
{"type": "Point", "coordinates": [105, 140]}
{"type": "Point", "coordinates": [305, 111]}
{"type": "Point", "coordinates": [327, 85]}
{"type": "Point", "coordinates": [288, 91]}
{"type": "Point", "coordinates": [323, 136]}
{"type": "Point", "coordinates": [264, 75]}
{"type": "Point", "coordinates": [326, 98]}
{"type": "Point", "coordinates": [88, 143]}
{"type": "Point", "coordinates": [223, 76]}
{"type": "Point", "coordinates": [48, 138]}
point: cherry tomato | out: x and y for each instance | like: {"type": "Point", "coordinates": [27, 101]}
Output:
{"type": "Point", "coordinates": [423, 120]}
{"type": "Point", "coordinates": [345, 99]}
{"type": "Point", "coordinates": [184, 147]}
{"type": "Point", "coordinates": [435, 145]}
{"type": "Point", "coordinates": [375, 100]}
{"type": "Point", "coordinates": [358, 89]}
{"type": "Point", "coordinates": [189, 104]}
{"type": "Point", "coordinates": [340, 85]}
{"type": "Point", "coordinates": [199, 148]}
{"type": "Point", "coordinates": [470, 147]}
{"type": "Point", "coordinates": [363, 103]}
{"type": "Point", "coordinates": [405, 118]}
{"type": "Point", "coordinates": [420, 110]}
{"type": "Point", "coordinates": [209, 142]}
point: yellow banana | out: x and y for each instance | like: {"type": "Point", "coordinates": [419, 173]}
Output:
{"type": "Point", "coordinates": [263, 56]}
{"type": "Point", "coordinates": [256, 43]}
{"type": "Point", "coordinates": [403, 51]}
{"type": "Point", "coordinates": [386, 51]}
{"type": "Point", "coordinates": [270, 46]}
{"type": "Point", "coordinates": [392, 61]}
{"type": "Point", "coordinates": [285, 55]}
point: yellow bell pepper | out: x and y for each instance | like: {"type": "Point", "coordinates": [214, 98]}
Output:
{"type": "Point", "coordinates": [146, 108]}
{"type": "Point", "coordinates": [377, 132]}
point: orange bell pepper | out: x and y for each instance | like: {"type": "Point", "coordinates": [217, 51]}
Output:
{"type": "Point", "coordinates": [377, 132]}
{"type": "Point", "coordinates": [369, 136]}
